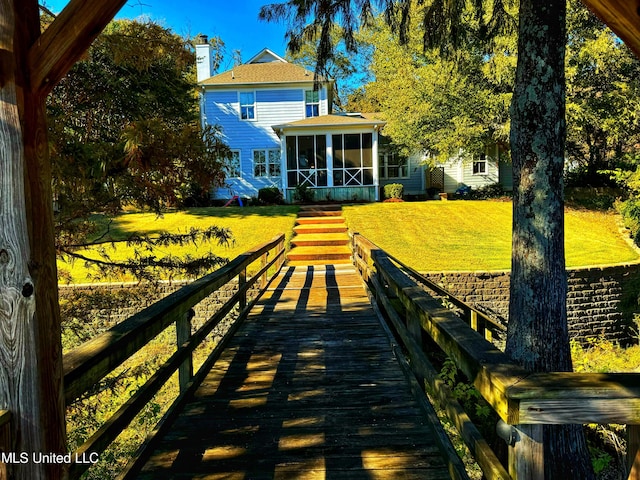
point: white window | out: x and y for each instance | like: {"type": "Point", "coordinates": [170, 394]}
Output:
{"type": "Point", "coordinates": [266, 163]}
{"type": "Point", "coordinates": [232, 164]}
{"type": "Point", "coordinates": [311, 103]}
{"type": "Point", "coordinates": [247, 105]}
{"type": "Point", "coordinates": [480, 165]}
{"type": "Point", "coordinates": [393, 165]}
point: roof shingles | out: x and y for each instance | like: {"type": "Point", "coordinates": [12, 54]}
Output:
{"type": "Point", "coordinates": [255, 73]}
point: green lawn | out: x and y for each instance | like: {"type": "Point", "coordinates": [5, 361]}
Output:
{"type": "Point", "coordinates": [430, 236]}
{"type": "Point", "coordinates": [250, 226]}
{"type": "Point", "coordinates": [476, 235]}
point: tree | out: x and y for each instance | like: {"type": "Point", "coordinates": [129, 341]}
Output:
{"type": "Point", "coordinates": [440, 105]}
{"type": "Point", "coordinates": [603, 96]}
{"type": "Point", "coordinates": [537, 336]}
{"type": "Point", "coordinates": [348, 71]}
{"type": "Point", "coordinates": [125, 130]}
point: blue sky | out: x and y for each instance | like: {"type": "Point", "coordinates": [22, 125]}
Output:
{"type": "Point", "coordinates": [235, 21]}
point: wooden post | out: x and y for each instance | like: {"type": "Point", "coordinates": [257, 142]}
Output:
{"type": "Point", "coordinates": [26, 360]}
{"type": "Point", "coordinates": [526, 456]}
{"type": "Point", "coordinates": [242, 280]}
{"type": "Point", "coordinates": [633, 451]}
{"type": "Point", "coordinates": [183, 334]}
{"type": "Point", "coordinates": [473, 319]}
{"type": "Point", "coordinates": [264, 278]}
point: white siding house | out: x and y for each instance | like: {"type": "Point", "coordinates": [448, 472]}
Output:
{"type": "Point", "coordinates": [276, 118]}
{"type": "Point", "coordinates": [473, 171]}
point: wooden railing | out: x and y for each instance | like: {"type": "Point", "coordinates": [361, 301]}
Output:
{"type": "Point", "coordinates": [88, 364]}
{"type": "Point", "coordinates": [524, 401]}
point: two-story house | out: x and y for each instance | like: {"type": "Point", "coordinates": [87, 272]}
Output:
{"type": "Point", "coordinates": [279, 125]}
{"type": "Point", "coordinates": [278, 121]}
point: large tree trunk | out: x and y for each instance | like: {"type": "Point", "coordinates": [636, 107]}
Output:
{"type": "Point", "coordinates": [538, 336]}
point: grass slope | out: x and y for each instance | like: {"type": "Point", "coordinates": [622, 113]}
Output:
{"type": "Point", "coordinates": [476, 235]}
{"type": "Point", "coordinates": [430, 236]}
{"type": "Point", "coordinates": [250, 226]}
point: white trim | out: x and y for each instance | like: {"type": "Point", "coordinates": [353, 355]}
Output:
{"type": "Point", "coordinates": [265, 51]}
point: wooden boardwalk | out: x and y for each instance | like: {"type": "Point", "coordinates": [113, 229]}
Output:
{"type": "Point", "coordinates": [309, 388]}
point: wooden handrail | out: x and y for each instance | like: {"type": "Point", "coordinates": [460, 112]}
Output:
{"type": "Point", "coordinates": [116, 345]}
{"type": "Point", "coordinates": [521, 398]}
{"type": "Point", "coordinates": [478, 320]}
{"type": "Point", "coordinates": [91, 361]}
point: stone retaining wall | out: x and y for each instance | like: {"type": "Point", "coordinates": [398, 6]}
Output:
{"type": "Point", "coordinates": [115, 302]}
{"type": "Point", "coordinates": [600, 302]}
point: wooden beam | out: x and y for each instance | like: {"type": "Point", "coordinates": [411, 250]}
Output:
{"type": "Point", "coordinates": [622, 16]}
{"type": "Point", "coordinates": [66, 40]}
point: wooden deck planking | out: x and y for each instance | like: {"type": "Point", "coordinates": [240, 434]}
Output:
{"type": "Point", "coordinates": [307, 389]}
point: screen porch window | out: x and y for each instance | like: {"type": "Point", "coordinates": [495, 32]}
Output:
{"type": "Point", "coordinates": [307, 160]}
{"type": "Point", "coordinates": [247, 106]}
{"type": "Point", "coordinates": [393, 165]}
{"type": "Point", "coordinates": [480, 165]}
{"type": "Point", "coordinates": [312, 103]}
{"type": "Point", "coordinates": [353, 159]}
{"type": "Point", "coordinates": [266, 163]}
{"type": "Point", "coordinates": [232, 164]}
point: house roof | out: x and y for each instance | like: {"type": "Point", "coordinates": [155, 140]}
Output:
{"type": "Point", "coordinates": [622, 16]}
{"type": "Point", "coordinates": [334, 120]}
{"type": "Point", "coordinates": [265, 67]}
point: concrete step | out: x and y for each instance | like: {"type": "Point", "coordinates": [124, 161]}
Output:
{"type": "Point", "coordinates": [320, 239]}
{"type": "Point", "coordinates": [319, 220]}
{"type": "Point", "coordinates": [313, 229]}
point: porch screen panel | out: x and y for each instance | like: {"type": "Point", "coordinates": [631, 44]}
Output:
{"type": "Point", "coordinates": [338, 160]}
{"type": "Point", "coordinates": [321, 160]}
{"type": "Point", "coordinates": [306, 160]}
{"type": "Point", "coordinates": [367, 159]}
{"type": "Point", "coordinates": [292, 161]}
{"type": "Point", "coordinates": [354, 152]}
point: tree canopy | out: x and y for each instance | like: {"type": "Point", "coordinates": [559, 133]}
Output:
{"type": "Point", "coordinates": [124, 130]}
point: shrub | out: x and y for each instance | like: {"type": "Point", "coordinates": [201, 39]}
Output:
{"type": "Point", "coordinates": [393, 190]}
{"type": "Point", "coordinates": [485, 192]}
{"type": "Point", "coordinates": [270, 196]}
{"type": "Point", "coordinates": [630, 211]}
{"type": "Point", "coordinates": [303, 194]}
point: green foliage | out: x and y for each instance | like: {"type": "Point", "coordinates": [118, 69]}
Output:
{"type": "Point", "coordinates": [303, 194]}
{"type": "Point", "coordinates": [630, 211]}
{"type": "Point", "coordinates": [440, 105]}
{"type": "Point", "coordinates": [465, 393]}
{"type": "Point", "coordinates": [603, 96]}
{"type": "Point", "coordinates": [270, 196]}
{"type": "Point", "coordinates": [124, 130]}
{"type": "Point", "coordinates": [603, 356]}
{"type": "Point", "coordinates": [393, 190]}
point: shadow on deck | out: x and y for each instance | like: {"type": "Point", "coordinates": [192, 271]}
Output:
{"type": "Point", "coordinates": [309, 387]}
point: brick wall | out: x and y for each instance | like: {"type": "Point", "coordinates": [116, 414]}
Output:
{"type": "Point", "coordinates": [600, 302]}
